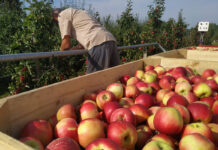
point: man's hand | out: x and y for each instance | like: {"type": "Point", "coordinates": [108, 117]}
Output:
{"type": "Point", "coordinates": [79, 46]}
{"type": "Point", "coordinates": [65, 44]}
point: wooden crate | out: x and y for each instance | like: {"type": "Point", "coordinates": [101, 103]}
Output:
{"type": "Point", "coordinates": [17, 110]}
{"type": "Point", "coordinates": [189, 54]}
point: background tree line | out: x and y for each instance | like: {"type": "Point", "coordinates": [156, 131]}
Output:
{"type": "Point", "coordinates": [27, 26]}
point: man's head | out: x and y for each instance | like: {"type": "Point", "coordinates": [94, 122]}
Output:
{"type": "Point", "coordinates": [56, 12]}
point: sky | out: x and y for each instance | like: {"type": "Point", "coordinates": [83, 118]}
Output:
{"type": "Point", "coordinates": [193, 12]}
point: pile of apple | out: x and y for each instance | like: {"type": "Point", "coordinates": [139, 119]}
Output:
{"type": "Point", "coordinates": [158, 108]}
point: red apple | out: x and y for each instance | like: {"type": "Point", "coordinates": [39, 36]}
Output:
{"type": "Point", "coordinates": [103, 144]}
{"type": "Point", "coordinates": [179, 72]}
{"type": "Point", "coordinates": [140, 112]}
{"type": "Point", "coordinates": [33, 143]}
{"type": "Point", "coordinates": [214, 118]}
{"type": "Point", "coordinates": [132, 81]}
{"type": "Point", "coordinates": [150, 122]}
{"type": "Point", "coordinates": [190, 97]}
{"type": "Point", "coordinates": [150, 76]}
{"type": "Point", "coordinates": [109, 108]}
{"type": "Point", "coordinates": [198, 127]}
{"type": "Point", "coordinates": [157, 145]}
{"type": "Point", "coordinates": [200, 112]}
{"type": "Point", "coordinates": [90, 96]}
{"type": "Point", "coordinates": [67, 127]}
{"type": "Point", "coordinates": [131, 91]}
{"type": "Point", "coordinates": [168, 120]}
{"type": "Point", "coordinates": [212, 84]}
{"type": "Point", "coordinates": [201, 89]}
{"type": "Point", "coordinates": [195, 141]}
{"type": "Point", "coordinates": [214, 128]}
{"type": "Point", "coordinates": [116, 89]}
{"type": "Point", "coordinates": [126, 102]}
{"type": "Point", "coordinates": [177, 99]}
{"type": "Point", "coordinates": [215, 107]}
{"type": "Point", "coordinates": [160, 70]}
{"type": "Point", "coordinates": [153, 109]}
{"type": "Point", "coordinates": [215, 77]}
{"type": "Point", "coordinates": [53, 120]}
{"type": "Point", "coordinates": [183, 88]}
{"type": "Point", "coordinates": [167, 97]}
{"type": "Point", "coordinates": [144, 87]}
{"type": "Point", "coordinates": [167, 82]}
{"type": "Point", "coordinates": [38, 129]}
{"type": "Point", "coordinates": [155, 87]}
{"type": "Point", "coordinates": [160, 94]}
{"type": "Point", "coordinates": [66, 111]}
{"type": "Point", "coordinates": [145, 99]}
{"type": "Point", "coordinates": [89, 110]}
{"type": "Point", "coordinates": [183, 79]}
{"type": "Point", "coordinates": [139, 74]}
{"type": "Point", "coordinates": [63, 143]}
{"type": "Point", "coordinates": [184, 112]}
{"type": "Point", "coordinates": [164, 138]}
{"type": "Point", "coordinates": [208, 73]}
{"type": "Point", "coordinates": [90, 130]}
{"type": "Point", "coordinates": [123, 133]}
{"type": "Point", "coordinates": [208, 100]}
{"type": "Point", "coordinates": [144, 134]}
{"type": "Point", "coordinates": [104, 97]}
{"type": "Point", "coordinates": [123, 114]}
{"type": "Point", "coordinates": [196, 79]}
{"type": "Point", "coordinates": [124, 79]}
{"type": "Point", "coordinates": [149, 67]}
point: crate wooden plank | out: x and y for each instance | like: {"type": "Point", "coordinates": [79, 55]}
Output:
{"type": "Point", "coordinates": [180, 53]}
{"type": "Point", "coordinates": [17, 110]}
{"type": "Point", "coordinates": [202, 55]}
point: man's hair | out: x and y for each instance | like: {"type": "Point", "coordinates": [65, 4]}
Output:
{"type": "Point", "coordinates": [56, 11]}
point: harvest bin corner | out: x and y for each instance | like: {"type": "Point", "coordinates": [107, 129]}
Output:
{"type": "Point", "coordinates": [17, 110]}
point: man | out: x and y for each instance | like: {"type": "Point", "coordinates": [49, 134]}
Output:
{"type": "Point", "coordinates": [101, 44]}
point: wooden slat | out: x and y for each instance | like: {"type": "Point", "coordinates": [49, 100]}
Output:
{"type": "Point", "coordinates": [202, 55]}
{"type": "Point", "coordinates": [43, 102]}
{"type": "Point", "coordinates": [179, 53]}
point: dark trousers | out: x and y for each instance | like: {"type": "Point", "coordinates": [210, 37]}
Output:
{"type": "Point", "coordinates": [103, 56]}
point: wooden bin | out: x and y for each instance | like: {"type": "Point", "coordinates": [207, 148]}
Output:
{"type": "Point", "coordinates": [17, 110]}
{"type": "Point", "coordinates": [189, 54]}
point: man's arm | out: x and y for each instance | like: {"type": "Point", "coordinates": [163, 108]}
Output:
{"type": "Point", "coordinates": [66, 44]}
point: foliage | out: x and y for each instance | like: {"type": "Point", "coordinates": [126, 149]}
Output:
{"type": "Point", "coordinates": [32, 29]}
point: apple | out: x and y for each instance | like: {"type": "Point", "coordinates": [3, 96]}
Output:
{"type": "Point", "coordinates": [195, 141]}
{"type": "Point", "coordinates": [168, 120]}
{"type": "Point", "coordinates": [153, 109]}
{"type": "Point", "coordinates": [131, 91]}
{"type": "Point", "coordinates": [145, 99]}
{"type": "Point", "coordinates": [67, 127]}
{"type": "Point", "coordinates": [157, 145]}
{"type": "Point", "coordinates": [215, 107]}
{"type": "Point", "coordinates": [53, 120]}
{"type": "Point", "coordinates": [38, 129]}
{"type": "Point", "coordinates": [160, 94]}
{"type": "Point", "coordinates": [150, 77]}
{"type": "Point", "coordinates": [66, 111]}
{"type": "Point", "coordinates": [215, 77]}
{"type": "Point", "coordinates": [214, 129]}
{"type": "Point", "coordinates": [144, 134]}
{"type": "Point", "coordinates": [124, 79]}
{"type": "Point", "coordinates": [183, 79]}
{"type": "Point", "coordinates": [167, 97]}
{"type": "Point", "coordinates": [89, 110]}
{"type": "Point", "coordinates": [132, 81]}
{"type": "Point", "coordinates": [190, 71]}
{"type": "Point", "coordinates": [109, 108]}
{"type": "Point", "coordinates": [214, 118]}
{"type": "Point", "coordinates": [155, 87]}
{"type": "Point", "coordinates": [32, 142]}
{"type": "Point", "coordinates": [160, 70]}
{"type": "Point", "coordinates": [167, 82]}
{"type": "Point", "coordinates": [190, 97]}
{"type": "Point", "coordinates": [182, 88]}
{"type": "Point", "coordinates": [103, 144]}
{"type": "Point", "coordinates": [212, 84]}
{"type": "Point", "coordinates": [125, 102]}
{"type": "Point", "coordinates": [104, 97]}
{"type": "Point", "coordinates": [164, 138]}
{"type": "Point", "coordinates": [184, 112]}
{"type": "Point", "coordinates": [177, 99]}
{"type": "Point", "coordinates": [116, 89]}
{"type": "Point", "coordinates": [208, 100]}
{"type": "Point", "coordinates": [140, 112]}
{"type": "Point", "coordinates": [139, 74]}
{"type": "Point", "coordinates": [179, 72]}
{"type": "Point", "coordinates": [123, 114]}
{"type": "Point", "coordinates": [64, 143]}
{"type": "Point", "coordinates": [144, 87]}
{"type": "Point", "coordinates": [90, 96]}
{"type": "Point", "coordinates": [150, 122]}
{"type": "Point", "coordinates": [208, 73]}
{"type": "Point", "coordinates": [200, 112]}
{"type": "Point", "coordinates": [90, 130]}
{"type": "Point", "coordinates": [123, 133]}
{"type": "Point", "coordinates": [198, 127]}
{"type": "Point", "coordinates": [201, 89]}
{"type": "Point", "coordinates": [149, 67]}
{"type": "Point", "coordinates": [196, 79]}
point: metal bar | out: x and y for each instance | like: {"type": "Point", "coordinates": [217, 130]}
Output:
{"type": "Point", "coordinates": [25, 56]}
